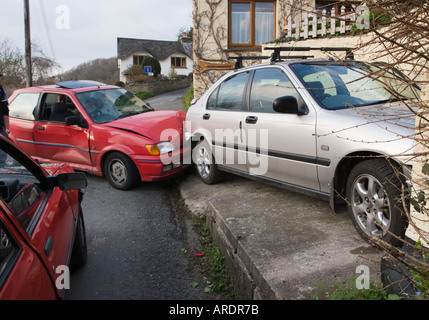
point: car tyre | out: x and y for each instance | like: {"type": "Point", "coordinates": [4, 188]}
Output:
{"type": "Point", "coordinates": [374, 193]}
{"type": "Point", "coordinates": [80, 249]}
{"type": "Point", "coordinates": [205, 163]}
{"type": "Point", "coordinates": [121, 171]}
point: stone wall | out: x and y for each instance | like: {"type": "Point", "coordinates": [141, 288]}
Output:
{"type": "Point", "coordinates": [160, 86]}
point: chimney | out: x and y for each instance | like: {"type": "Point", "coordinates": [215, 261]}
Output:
{"type": "Point", "coordinates": [185, 38]}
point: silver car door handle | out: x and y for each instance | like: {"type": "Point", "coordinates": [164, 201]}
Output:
{"type": "Point", "coordinates": [251, 119]}
{"type": "Point", "coordinates": [206, 116]}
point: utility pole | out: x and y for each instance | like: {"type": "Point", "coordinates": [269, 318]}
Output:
{"type": "Point", "coordinates": [27, 43]}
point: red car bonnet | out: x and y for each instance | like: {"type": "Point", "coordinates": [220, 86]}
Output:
{"type": "Point", "coordinates": [152, 124]}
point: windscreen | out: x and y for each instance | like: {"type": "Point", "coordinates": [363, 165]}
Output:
{"type": "Point", "coordinates": [111, 104]}
{"type": "Point", "coordinates": [339, 86]}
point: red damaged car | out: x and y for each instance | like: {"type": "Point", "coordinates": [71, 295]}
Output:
{"type": "Point", "coordinates": [42, 229]}
{"type": "Point", "coordinates": [99, 129]}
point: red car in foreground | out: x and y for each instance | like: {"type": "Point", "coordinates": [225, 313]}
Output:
{"type": "Point", "coordinates": [42, 229]}
{"type": "Point", "coordinates": [99, 129]}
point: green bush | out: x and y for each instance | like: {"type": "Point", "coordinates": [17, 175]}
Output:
{"type": "Point", "coordinates": [172, 74]}
{"type": "Point", "coordinates": [135, 70]}
{"type": "Point", "coordinates": [154, 63]}
{"type": "Point", "coordinates": [144, 95]}
{"type": "Point", "coordinates": [189, 95]}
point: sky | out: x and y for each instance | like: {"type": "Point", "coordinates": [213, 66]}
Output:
{"type": "Point", "coordinates": [75, 31]}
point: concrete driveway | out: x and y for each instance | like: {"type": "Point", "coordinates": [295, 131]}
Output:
{"type": "Point", "coordinates": [280, 244]}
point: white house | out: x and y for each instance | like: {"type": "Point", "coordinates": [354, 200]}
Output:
{"type": "Point", "coordinates": [170, 54]}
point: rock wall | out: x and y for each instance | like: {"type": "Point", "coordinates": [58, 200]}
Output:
{"type": "Point", "coordinates": [160, 86]}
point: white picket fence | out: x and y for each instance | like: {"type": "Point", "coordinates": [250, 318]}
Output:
{"type": "Point", "coordinates": [315, 25]}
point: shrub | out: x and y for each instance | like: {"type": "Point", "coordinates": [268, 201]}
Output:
{"type": "Point", "coordinates": [172, 74]}
{"type": "Point", "coordinates": [144, 95]}
{"type": "Point", "coordinates": [187, 98]}
{"type": "Point", "coordinates": [154, 63]}
{"type": "Point", "coordinates": [135, 70]}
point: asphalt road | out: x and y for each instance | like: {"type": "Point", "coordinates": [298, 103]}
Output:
{"type": "Point", "coordinates": [140, 246]}
{"type": "Point", "coordinates": [172, 100]}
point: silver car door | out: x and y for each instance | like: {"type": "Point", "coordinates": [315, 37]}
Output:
{"type": "Point", "coordinates": [222, 119]}
{"type": "Point", "coordinates": [281, 147]}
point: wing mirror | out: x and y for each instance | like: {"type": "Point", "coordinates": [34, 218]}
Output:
{"type": "Point", "coordinates": [75, 120]}
{"type": "Point", "coordinates": [70, 181]}
{"type": "Point", "coordinates": [289, 104]}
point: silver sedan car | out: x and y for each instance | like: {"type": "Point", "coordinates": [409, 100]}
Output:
{"type": "Point", "coordinates": [337, 130]}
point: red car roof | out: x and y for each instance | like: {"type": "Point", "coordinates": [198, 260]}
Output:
{"type": "Point", "coordinates": [75, 86]}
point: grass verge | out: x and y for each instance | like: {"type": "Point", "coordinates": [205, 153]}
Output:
{"type": "Point", "coordinates": [213, 262]}
{"type": "Point", "coordinates": [187, 98]}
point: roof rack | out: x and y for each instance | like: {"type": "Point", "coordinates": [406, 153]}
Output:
{"type": "Point", "coordinates": [275, 56]}
{"type": "Point", "coordinates": [239, 63]}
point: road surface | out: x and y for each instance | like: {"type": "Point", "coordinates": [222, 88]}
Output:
{"type": "Point", "coordinates": [140, 245]}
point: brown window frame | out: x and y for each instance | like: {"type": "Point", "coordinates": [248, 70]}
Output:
{"type": "Point", "coordinates": [252, 44]}
{"type": "Point", "coordinates": [182, 62]}
{"type": "Point", "coordinates": [139, 59]}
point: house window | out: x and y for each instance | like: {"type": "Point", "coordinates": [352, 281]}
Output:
{"type": "Point", "coordinates": [178, 62]}
{"type": "Point", "coordinates": [251, 23]}
{"type": "Point", "coordinates": [138, 60]}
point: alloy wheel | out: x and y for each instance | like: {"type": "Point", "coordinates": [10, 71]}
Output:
{"type": "Point", "coordinates": [203, 162]}
{"type": "Point", "coordinates": [371, 205]}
